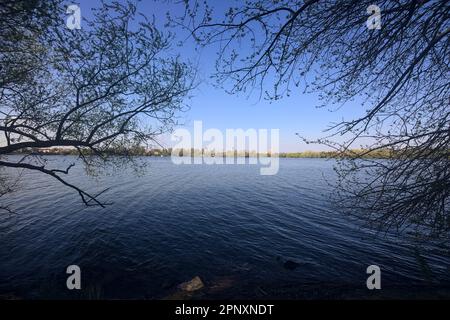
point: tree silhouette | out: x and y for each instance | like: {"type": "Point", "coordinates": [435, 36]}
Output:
{"type": "Point", "coordinates": [104, 89]}
{"type": "Point", "coordinates": [399, 71]}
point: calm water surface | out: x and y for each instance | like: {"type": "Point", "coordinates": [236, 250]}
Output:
{"type": "Point", "coordinates": [225, 223]}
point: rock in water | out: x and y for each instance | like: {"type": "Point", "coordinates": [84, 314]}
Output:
{"type": "Point", "coordinates": [291, 265]}
{"type": "Point", "coordinates": [192, 285]}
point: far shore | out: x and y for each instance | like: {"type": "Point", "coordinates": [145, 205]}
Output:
{"type": "Point", "coordinates": [142, 152]}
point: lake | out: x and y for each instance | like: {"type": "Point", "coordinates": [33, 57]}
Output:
{"type": "Point", "coordinates": [227, 224]}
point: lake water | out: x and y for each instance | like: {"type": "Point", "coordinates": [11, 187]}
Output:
{"type": "Point", "coordinates": [227, 224]}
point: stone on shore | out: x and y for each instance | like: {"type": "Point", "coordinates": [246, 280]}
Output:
{"type": "Point", "coordinates": [291, 265]}
{"type": "Point", "coordinates": [192, 285]}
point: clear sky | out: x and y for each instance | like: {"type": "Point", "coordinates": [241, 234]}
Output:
{"type": "Point", "coordinates": [217, 109]}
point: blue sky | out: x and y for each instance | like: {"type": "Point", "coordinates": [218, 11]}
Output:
{"type": "Point", "coordinates": [217, 109]}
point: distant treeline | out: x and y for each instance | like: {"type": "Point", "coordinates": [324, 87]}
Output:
{"type": "Point", "coordinates": [134, 151]}
{"type": "Point", "coordinates": [141, 151]}
{"type": "Point", "coordinates": [380, 154]}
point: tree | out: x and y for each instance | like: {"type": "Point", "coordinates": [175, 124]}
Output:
{"type": "Point", "coordinates": [400, 71]}
{"type": "Point", "coordinates": [22, 24]}
{"type": "Point", "coordinates": [112, 86]}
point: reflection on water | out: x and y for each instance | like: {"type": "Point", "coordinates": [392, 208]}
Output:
{"type": "Point", "coordinates": [239, 231]}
